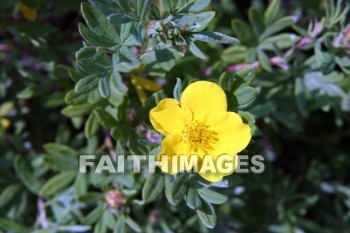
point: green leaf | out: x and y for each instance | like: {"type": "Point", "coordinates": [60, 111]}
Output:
{"type": "Point", "coordinates": [94, 215]}
{"type": "Point", "coordinates": [98, 23]}
{"type": "Point", "coordinates": [206, 214]}
{"type": "Point", "coordinates": [165, 57]}
{"type": "Point", "coordinates": [196, 51]}
{"type": "Point", "coordinates": [247, 75]}
{"type": "Point", "coordinates": [247, 118]}
{"type": "Point", "coordinates": [194, 6]}
{"type": "Point", "coordinates": [117, 89]}
{"type": "Point", "coordinates": [179, 187]}
{"type": "Point", "coordinates": [120, 227]}
{"type": "Point", "coordinates": [125, 61]}
{"type": "Point", "coordinates": [272, 11]}
{"type": "Point", "coordinates": [103, 87]}
{"type": "Point", "coordinates": [91, 126]}
{"type": "Point", "coordinates": [26, 175]}
{"type": "Point", "coordinates": [80, 186]}
{"type": "Point", "coordinates": [211, 196]}
{"type": "Point", "coordinates": [193, 200]}
{"type": "Point", "coordinates": [214, 37]}
{"type": "Point", "coordinates": [244, 32]}
{"type": "Point", "coordinates": [168, 195]}
{"type": "Point", "coordinates": [245, 95]}
{"type": "Point", "coordinates": [153, 187]}
{"type": "Point", "coordinates": [264, 60]}
{"type": "Point", "coordinates": [94, 39]}
{"type": "Point", "coordinates": [73, 98]}
{"type": "Point", "coordinates": [86, 84]}
{"type": "Point", "coordinates": [282, 41]}
{"type": "Point", "coordinates": [76, 111]}
{"type": "Point", "coordinates": [169, 5]}
{"type": "Point", "coordinates": [178, 89]}
{"type": "Point", "coordinates": [198, 22]}
{"type": "Point", "coordinates": [226, 81]}
{"type": "Point", "coordinates": [105, 118]}
{"type": "Point", "coordinates": [108, 219]}
{"type": "Point", "coordinates": [87, 55]}
{"type": "Point", "coordinates": [256, 20]}
{"type": "Point", "coordinates": [11, 226]}
{"type": "Point", "coordinates": [132, 224]}
{"type": "Point", "coordinates": [300, 98]}
{"type": "Point", "coordinates": [125, 30]}
{"type": "Point", "coordinates": [123, 5]}
{"type": "Point", "coordinates": [277, 26]}
{"type": "Point", "coordinates": [57, 183]}
{"type": "Point", "coordinates": [8, 194]}
{"type": "Point", "coordinates": [143, 8]}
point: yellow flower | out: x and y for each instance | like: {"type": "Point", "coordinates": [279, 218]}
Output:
{"type": "Point", "coordinates": [199, 125]}
{"type": "Point", "coordinates": [28, 12]}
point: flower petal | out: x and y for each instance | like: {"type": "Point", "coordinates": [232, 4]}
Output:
{"type": "Point", "coordinates": [169, 117]}
{"type": "Point", "coordinates": [204, 98]}
{"type": "Point", "coordinates": [232, 134]}
{"type": "Point", "coordinates": [223, 167]}
{"type": "Point", "coordinates": [172, 148]}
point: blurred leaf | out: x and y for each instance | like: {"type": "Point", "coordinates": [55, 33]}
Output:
{"type": "Point", "coordinates": [214, 37]}
{"type": "Point", "coordinates": [211, 196]}
{"type": "Point", "coordinates": [153, 187]}
{"type": "Point", "coordinates": [206, 214]}
{"type": "Point", "coordinates": [57, 183]}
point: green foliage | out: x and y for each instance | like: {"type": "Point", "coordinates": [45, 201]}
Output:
{"type": "Point", "coordinates": [64, 95]}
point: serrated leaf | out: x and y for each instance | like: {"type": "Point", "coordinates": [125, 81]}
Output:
{"type": "Point", "coordinates": [153, 187]}
{"type": "Point", "coordinates": [57, 183]}
{"type": "Point", "coordinates": [211, 196]}
{"type": "Point", "coordinates": [207, 215]}
{"type": "Point", "coordinates": [214, 37]}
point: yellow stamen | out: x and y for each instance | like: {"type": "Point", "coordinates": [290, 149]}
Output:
{"type": "Point", "coordinates": [199, 137]}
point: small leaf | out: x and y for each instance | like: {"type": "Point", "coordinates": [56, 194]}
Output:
{"type": "Point", "coordinates": [103, 87]}
{"type": "Point", "coordinates": [143, 8]}
{"type": "Point", "coordinates": [165, 58]}
{"type": "Point", "coordinates": [125, 61]}
{"type": "Point", "coordinates": [8, 194]}
{"type": "Point", "coordinates": [94, 215]}
{"type": "Point", "coordinates": [179, 187]}
{"type": "Point", "coordinates": [245, 95]}
{"type": "Point", "coordinates": [120, 227]}
{"type": "Point", "coordinates": [73, 98]}
{"type": "Point", "coordinates": [247, 118]}
{"type": "Point", "coordinates": [272, 11]}
{"type": "Point", "coordinates": [178, 89]}
{"type": "Point", "coordinates": [132, 224]}
{"type": "Point", "coordinates": [196, 51]}
{"type": "Point", "coordinates": [193, 200]}
{"type": "Point", "coordinates": [211, 196]}
{"type": "Point", "coordinates": [153, 187]}
{"type": "Point", "coordinates": [206, 214]}
{"type": "Point", "coordinates": [80, 186]}
{"type": "Point", "coordinates": [194, 6]}
{"type": "Point", "coordinates": [214, 37]}
{"type": "Point", "coordinates": [300, 98]}
{"type": "Point", "coordinates": [277, 26]}
{"type": "Point", "coordinates": [86, 84]}
{"type": "Point", "coordinates": [76, 111]}
{"type": "Point", "coordinates": [91, 126]}
{"type": "Point", "coordinates": [257, 21]}
{"type": "Point", "coordinates": [264, 60]}
{"type": "Point", "coordinates": [228, 181]}
{"type": "Point", "coordinates": [57, 183]}
{"type": "Point", "coordinates": [226, 81]}
{"type": "Point", "coordinates": [94, 39]}
{"type": "Point", "coordinates": [125, 30]}
{"type": "Point", "coordinates": [105, 118]}
{"type": "Point", "coordinates": [169, 5]}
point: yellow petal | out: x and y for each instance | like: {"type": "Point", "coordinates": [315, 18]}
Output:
{"type": "Point", "coordinates": [172, 148]}
{"type": "Point", "coordinates": [232, 134]}
{"type": "Point", "coordinates": [204, 98]}
{"type": "Point", "coordinates": [145, 83]}
{"type": "Point", "coordinates": [27, 12]}
{"type": "Point", "coordinates": [169, 117]}
{"type": "Point", "coordinates": [224, 167]}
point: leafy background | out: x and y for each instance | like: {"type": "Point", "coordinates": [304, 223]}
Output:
{"type": "Point", "coordinates": [61, 97]}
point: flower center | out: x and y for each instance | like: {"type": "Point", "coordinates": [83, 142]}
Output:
{"type": "Point", "coordinates": [199, 137]}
